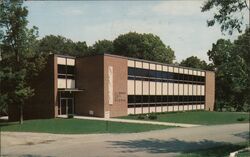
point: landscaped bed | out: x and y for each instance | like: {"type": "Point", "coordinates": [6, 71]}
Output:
{"type": "Point", "coordinates": [77, 126]}
{"type": "Point", "coordinates": [195, 117]}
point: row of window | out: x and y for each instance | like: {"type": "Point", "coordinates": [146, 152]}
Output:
{"type": "Point", "coordinates": [163, 80]}
{"type": "Point", "coordinates": [164, 104]}
{"type": "Point", "coordinates": [163, 98]}
{"type": "Point", "coordinates": [64, 76]}
{"type": "Point", "coordinates": [164, 75]}
{"type": "Point", "coordinates": [66, 71]}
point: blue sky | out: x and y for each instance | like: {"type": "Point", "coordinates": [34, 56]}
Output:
{"type": "Point", "coordinates": [180, 24]}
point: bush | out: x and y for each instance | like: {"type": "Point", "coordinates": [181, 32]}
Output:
{"type": "Point", "coordinates": [70, 116]}
{"type": "Point", "coordinates": [241, 119]}
{"type": "Point", "coordinates": [152, 116]}
{"type": "Point", "coordinates": [141, 116]}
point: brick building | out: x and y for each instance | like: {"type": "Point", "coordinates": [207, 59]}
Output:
{"type": "Point", "coordinates": [110, 86]}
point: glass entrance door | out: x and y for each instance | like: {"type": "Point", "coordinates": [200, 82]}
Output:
{"type": "Point", "coordinates": [66, 106]}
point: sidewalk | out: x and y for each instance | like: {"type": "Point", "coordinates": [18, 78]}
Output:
{"type": "Point", "coordinates": [133, 121]}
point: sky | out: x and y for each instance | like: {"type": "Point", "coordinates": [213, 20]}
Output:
{"type": "Point", "coordinates": [179, 24]}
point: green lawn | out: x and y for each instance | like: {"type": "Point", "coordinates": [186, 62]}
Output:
{"type": "Point", "coordinates": [77, 126]}
{"type": "Point", "coordinates": [243, 154]}
{"type": "Point", "coordinates": [199, 117]}
{"type": "Point", "coordinates": [219, 151]}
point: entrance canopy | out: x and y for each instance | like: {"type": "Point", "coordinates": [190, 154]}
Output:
{"type": "Point", "coordinates": [70, 90]}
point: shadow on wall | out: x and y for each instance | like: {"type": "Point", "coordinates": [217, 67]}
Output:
{"type": "Point", "coordinates": [203, 148]}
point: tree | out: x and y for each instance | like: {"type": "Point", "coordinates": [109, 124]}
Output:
{"type": "Point", "coordinates": [19, 63]}
{"type": "Point", "coordinates": [102, 46]}
{"type": "Point", "coordinates": [242, 48]}
{"type": "Point", "coordinates": [143, 46]}
{"type": "Point", "coordinates": [194, 62]}
{"type": "Point", "coordinates": [228, 13]}
{"type": "Point", "coordinates": [80, 49]}
{"type": "Point", "coordinates": [232, 74]}
{"type": "Point", "coordinates": [61, 45]}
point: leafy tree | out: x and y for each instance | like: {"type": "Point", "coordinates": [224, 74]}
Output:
{"type": "Point", "coordinates": [228, 13]}
{"type": "Point", "coordinates": [80, 49]}
{"type": "Point", "coordinates": [19, 64]}
{"type": "Point", "coordinates": [143, 46]}
{"type": "Point", "coordinates": [102, 46]}
{"type": "Point", "coordinates": [61, 45]}
{"type": "Point", "coordinates": [194, 62]}
{"type": "Point", "coordinates": [242, 48]}
{"type": "Point", "coordinates": [232, 74]}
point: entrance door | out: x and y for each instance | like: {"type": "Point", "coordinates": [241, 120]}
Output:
{"type": "Point", "coordinates": [70, 106]}
{"type": "Point", "coordinates": [66, 106]}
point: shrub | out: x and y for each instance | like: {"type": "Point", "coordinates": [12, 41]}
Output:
{"type": "Point", "coordinates": [241, 119]}
{"type": "Point", "coordinates": [152, 116]}
{"type": "Point", "coordinates": [70, 116]}
{"type": "Point", "coordinates": [141, 116]}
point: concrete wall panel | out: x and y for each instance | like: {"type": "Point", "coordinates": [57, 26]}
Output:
{"type": "Point", "coordinates": [210, 91]}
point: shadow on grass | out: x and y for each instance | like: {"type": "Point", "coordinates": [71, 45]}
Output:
{"type": "Point", "coordinates": [8, 123]}
{"type": "Point", "coordinates": [28, 155]}
{"type": "Point", "coordinates": [201, 148]}
{"type": "Point", "coordinates": [244, 135]}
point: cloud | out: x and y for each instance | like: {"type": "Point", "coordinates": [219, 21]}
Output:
{"type": "Point", "coordinates": [177, 8]}
{"type": "Point", "coordinates": [179, 24]}
{"type": "Point", "coordinates": [182, 38]}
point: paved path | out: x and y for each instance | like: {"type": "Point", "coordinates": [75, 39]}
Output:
{"type": "Point", "coordinates": [133, 121]}
{"type": "Point", "coordinates": [161, 143]}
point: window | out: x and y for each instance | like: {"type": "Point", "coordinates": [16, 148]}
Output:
{"type": "Point", "coordinates": [138, 99]}
{"type": "Point", "coordinates": [61, 69]}
{"type": "Point", "coordinates": [131, 99]}
{"type": "Point", "coordinates": [131, 71]}
{"type": "Point", "coordinates": [158, 98]}
{"type": "Point", "coordinates": [145, 98]}
{"type": "Point", "coordinates": [151, 98]}
{"type": "Point", "coordinates": [71, 70]}
{"type": "Point", "coordinates": [152, 73]}
{"type": "Point", "coordinates": [158, 74]}
{"type": "Point", "coordinates": [66, 71]}
{"type": "Point", "coordinates": [155, 75]}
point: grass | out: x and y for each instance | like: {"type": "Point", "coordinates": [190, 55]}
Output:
{"type": "Point", "coordinates": [218, 151]}
{"type": "Point", "coordinates": [243, 154]}
{"type": "Point", "coordinates": [77, 126]}
{"type": "Point", "coordinates": [199, 117]}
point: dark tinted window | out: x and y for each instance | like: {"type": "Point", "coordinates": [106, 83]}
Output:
{"type": "Point", "coordinates": [130, 71]}
{"type": "Point", "coordinates": [152, 73]}
{"type": "Point", "coordinates": [138, 99]}
{"type": "Point", "coordinates": [158, 74]}
{"type": "Point", "coordinates": [131, 99]}
{"type": "Point", "coordinates": [71, 70]}
{"type": "Point", "coordinates": [61, 69]}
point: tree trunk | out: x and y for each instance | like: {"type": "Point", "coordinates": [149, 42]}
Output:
{"type": "Point", "coordinates": [21, 114]}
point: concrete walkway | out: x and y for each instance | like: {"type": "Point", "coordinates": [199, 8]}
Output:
{"type": "Point", "coordinates": [159, 143]}
{"type": "Point", "coordinates": [133, 121]}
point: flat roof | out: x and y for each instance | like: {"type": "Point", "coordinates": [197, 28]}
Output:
{"type": "Point", "coordinates": [135, 59]}
{"type": "Point", "coordinates": [148, 61]}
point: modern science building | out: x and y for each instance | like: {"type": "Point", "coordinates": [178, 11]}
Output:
{"type": "Point", "coordinates": [111, 86]}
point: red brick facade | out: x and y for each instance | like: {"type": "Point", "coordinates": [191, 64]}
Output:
{"type": "Point", "coordinates": [101, 84]}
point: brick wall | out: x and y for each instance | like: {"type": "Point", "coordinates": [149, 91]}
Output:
{"type": "Point", "coordinates": [89, 77]}
{"type": "Point", "coordinates": [42, 104]}
{"type": "Point", "coordinates": [120, 79]}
